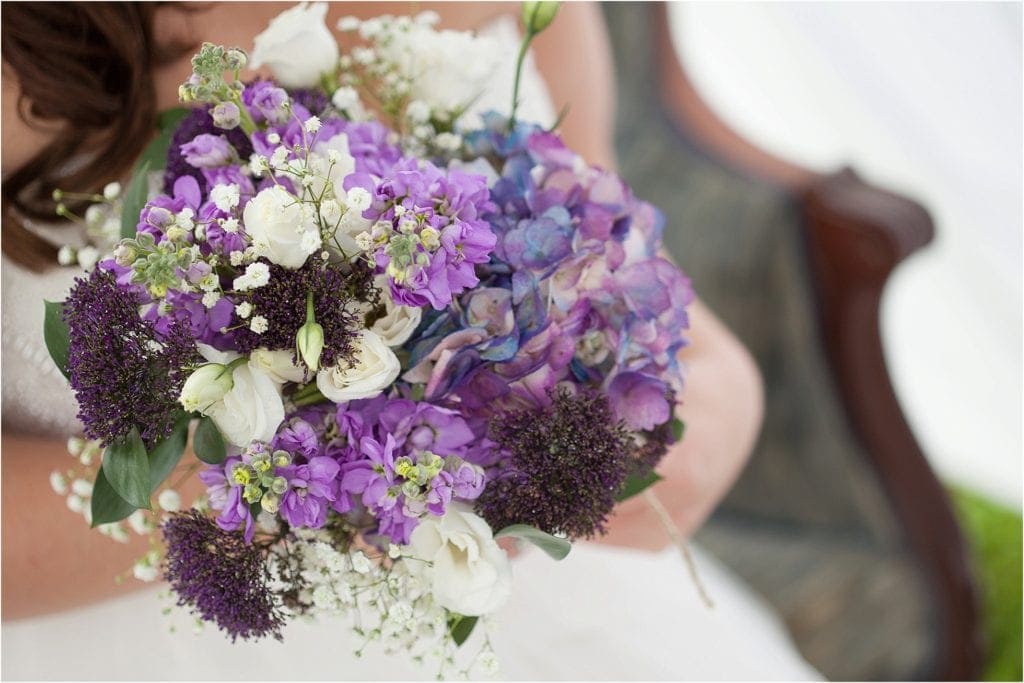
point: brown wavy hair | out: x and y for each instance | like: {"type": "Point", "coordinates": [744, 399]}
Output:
{"type": "Point", "coordinates": [88, 66]}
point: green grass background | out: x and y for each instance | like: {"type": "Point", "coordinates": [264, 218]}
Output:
{"type": "Point", "coordinates": [994, 535]}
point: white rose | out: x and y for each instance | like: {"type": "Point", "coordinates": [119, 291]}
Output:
{"type": "Point", "coordinates": [297, 46]}
{"type": "Point", "coordinates": [374, 369]}
{"type": "Point", "coordinates": [276, 223]}
{"type": "Point", "coordinates": [253, 409]}
{"type": "Point", "coordinates": [277, 365]}
{"type": "Point", "coordinates": [399, 322]}
{"type": "Point", "coordinates": [469, 574]}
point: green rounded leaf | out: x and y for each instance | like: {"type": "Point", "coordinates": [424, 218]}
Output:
{"type": "Point", "coordinates": [56, 334]}
{"type": "Point", "coordinates": [167, 453]}
{"type": "Point", "coordinates": [208, 443]}
{"type": "Point", "coordinates": [126, 467]}
{"type": "Point", "coordinates": [106, 505]}
{"type": "Point", "coordinates": [636, 483]}
{"type": "Point", "coordinates": [678, 429]}
{"type": "Point", "coordinates": [554, 546]}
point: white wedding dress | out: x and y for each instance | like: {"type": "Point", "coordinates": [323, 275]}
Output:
{"type": "Point", "coordinates": [603, 613]}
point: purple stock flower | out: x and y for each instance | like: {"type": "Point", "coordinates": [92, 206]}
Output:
{"type": "Point", "coordinates": [196, 123]}
{"type": "Point", "coordinates": [266, 102]}
{"type": "Point", "coordinates": [207, 151]}
{"type": "Point", "coordinates": [226, 496]}
{"type": "Point", "coordinates": [312, 489]}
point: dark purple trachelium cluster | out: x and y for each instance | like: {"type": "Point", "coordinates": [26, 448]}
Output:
{"type": "Point", "coordinates": [397, 459]}
{"type": "Point", "coordinates": [220, 576]}
{"type": "Point", "coordinates": [337, 297]}
{"type": "Point", "coordinates": [563, 466]}
{"type": "Point", "coordinates": [124, 371]}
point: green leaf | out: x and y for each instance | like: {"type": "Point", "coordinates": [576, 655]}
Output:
{"type": "Point", "coordinates": [134, 200]}
{"type": "Point", "coordinates": [208, 443]}
{"type": "Point", "coordinates": [636, 483]}
{"type": "Point", "coordinates": [155, 153]}
{"type": "Point", "coordinates": [554, 546]}
{"type": "Point", "coordinates": [107, 506]}
{"type": "Point", "coordinates": [678, 429]}
{"type": "Point", "coordinates": [461, 627]}
{"type": "Point", "coordinates": [126, 466]}
{"type": "Point", "coordinates": [167, 453]}
{"type": "Point", "coordinates": [56, 334]}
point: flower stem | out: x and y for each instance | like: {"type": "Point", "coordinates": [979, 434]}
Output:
{"type": "Point", "coordinates": [527, 39]}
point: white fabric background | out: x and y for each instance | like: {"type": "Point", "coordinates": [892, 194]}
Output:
{"type": "Point", "coordinates": [924, 98]}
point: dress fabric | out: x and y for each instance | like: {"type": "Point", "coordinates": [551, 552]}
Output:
{"type": "Point", "coordinates": [603, 613]}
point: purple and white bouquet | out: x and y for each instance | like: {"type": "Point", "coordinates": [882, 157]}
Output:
{"type": "Point", "coordinates": [392, 337]}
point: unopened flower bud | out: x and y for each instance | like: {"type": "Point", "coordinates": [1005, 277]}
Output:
{"type": "Point", "coordinates": [537, 16]}
{"type": "Point", "coordinates": [112, 191]}
{"type": "Point", "coordinates": [67, 255]}
{"type": "Point", "coordinates": [226, 115]}
{"type": "Point", "coordinates": [236, 59]}
{"type": "Point", "coordinates": [204, 387]}
{"type": "Point", "coordinates": [309, 340]}
{"type": "Point", "coordinates": [279, 485]}
{"type": "Point", "coordinates": [270, 502]}
{"type": "Point", "coordinates": [282, 459]}
{"type": "Point", "coordinates": [169, 500]}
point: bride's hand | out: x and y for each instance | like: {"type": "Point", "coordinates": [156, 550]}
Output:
{"type": "Point", "coordinates": [722, 406]}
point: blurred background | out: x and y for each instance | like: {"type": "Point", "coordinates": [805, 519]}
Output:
{"type": "Point", "coordinates": [762, 104]}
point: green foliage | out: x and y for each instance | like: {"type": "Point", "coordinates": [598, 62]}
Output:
{"type": "Point", "coordinates": [554, 546]}
{"type": "Point", "coordinates": [995, 535]}
{"type": "Point", "coordinates": [208, 443]}
{"type": "Point", "coordinates": [167, 453]}
{"type": "Point", "coordinates": [134, 199]}
{"type": "Point", "coordinates": [636, 483]}
{"type": "Point", "coordinates": [460, 627]}
{"type": "Point", "coordinates": [56, 334]}
{"type": "Point", "coordinates": [155, 153]}
{"type": "Point", "coordinates": [126, 468]}
{"type": "Point", "coordinates": [106, 505]}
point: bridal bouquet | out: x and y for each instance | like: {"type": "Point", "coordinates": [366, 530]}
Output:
{"type": "Point", "coordinates": [392, 335]}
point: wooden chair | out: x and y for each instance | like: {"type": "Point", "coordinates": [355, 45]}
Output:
{"type": "Point", "coordinates": [838, 520]}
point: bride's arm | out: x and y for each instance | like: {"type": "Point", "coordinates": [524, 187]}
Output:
{"type": "Point", "coordinates": [722, 404]}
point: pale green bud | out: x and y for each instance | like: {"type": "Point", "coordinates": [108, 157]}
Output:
{"type": "Point", "coordinates": [235, 59]}
{"type": "Point", "coordinates": [310, 342]}
{"type": "Point", "coordinates": [271, 502]}
{"type": "Point", "coordinates": [282, 459]}
{"type": "Point", "coordinates": [537, 16]}
{"type": "Point", "coordinates": [279, 485]}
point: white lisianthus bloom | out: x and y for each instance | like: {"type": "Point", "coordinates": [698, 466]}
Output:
{"type": "Point", "coordinates": [330, 162]}
{"type": "Point", "coordinates": [373, 370]}
{"type": "Point", "coordinates": [205, 386]}
{"type": "Point", "coordinates": [297, 46]}
{"type": "Point", "coordinates": [252, 409]}
{"type": "Point", "coordinates": [399, 322]}
{"type": "Point", "coordinates": [276, 223]}
{"type": "Point", "coordinates": [468, 572]}
{"type": "Point", "coordinates": [277, 365]}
